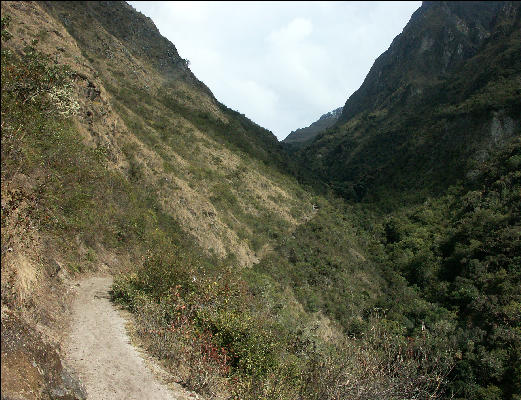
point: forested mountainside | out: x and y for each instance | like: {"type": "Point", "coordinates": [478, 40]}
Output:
{"type": "Point", "coordinates": [432, 140]}
{"type": "Point", "coordinates": [243, 282]}
{"type": "Point", "coordinates": [433, 107]}
{"type": "Point", "coordinates": [308, 133]}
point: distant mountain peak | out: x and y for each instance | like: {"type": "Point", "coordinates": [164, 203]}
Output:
{"type": "Point", "coordinates": [308, 133]}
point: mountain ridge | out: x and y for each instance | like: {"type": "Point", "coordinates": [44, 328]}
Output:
{"type": "Point", "coordinates": [416, 115]}
{"type": "Point", "coordinates": [428, 48]}
{"type": "Point", "coordinates": [308, 133]}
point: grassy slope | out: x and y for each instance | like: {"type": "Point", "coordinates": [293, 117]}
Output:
{"type": "Point", "coordinates": [206, 163]}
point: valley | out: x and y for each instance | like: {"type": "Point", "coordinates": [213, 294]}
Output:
{"type": "Point", "coordinates": [373, 255]}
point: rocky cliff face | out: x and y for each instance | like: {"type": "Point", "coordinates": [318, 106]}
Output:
{"type": "Point", "coordinates": [308, 133]}
{"type": "Point", "coordinates": [439, 36]}
{"type": "Point", "coordinates": [427, 107]}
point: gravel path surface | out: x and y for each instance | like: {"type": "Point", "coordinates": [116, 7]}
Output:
{"type": "Point", "coordinates": [99, 350]}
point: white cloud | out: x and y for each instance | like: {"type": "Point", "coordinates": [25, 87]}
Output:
{"type": "Point", "coordinates": [283, 64]}
{"type": "Point", "coordinates": [295, 31]}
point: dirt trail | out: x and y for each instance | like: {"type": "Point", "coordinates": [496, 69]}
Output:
{"type": "Point", "coordinates": [99, 350]}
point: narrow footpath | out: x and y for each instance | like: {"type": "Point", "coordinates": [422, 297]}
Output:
{"type": "Point", "coordinates": [99, 350]}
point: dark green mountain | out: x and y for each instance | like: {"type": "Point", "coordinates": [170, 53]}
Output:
{"type": "Point", "coordinates": [433, 108]}
{"type": "Point", "coordinates": [432, 140]}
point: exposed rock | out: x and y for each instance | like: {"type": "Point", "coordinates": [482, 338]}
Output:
{"type": "Point", "coordinates": [443, 34]}
{"type": "Point", "coordinates": [501, 128]}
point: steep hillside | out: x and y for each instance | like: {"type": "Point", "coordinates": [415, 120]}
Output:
{"type": "Point", "coordinates": [436, 104]}
{"type": "Point", "coordinates": [135, 50]}
{"type": "Point", "coordinates": [305, 134]}
{"type": "Point", "coordinates": [462, 251]}
{"type": "Point", "coordinates": [432, 141]}
{"type": "Point", "coordinates": [111, 150]}
{"type": "Point", "coordinates": [198, 155]}
{"type": "Point", "coordinates": [437, 38]}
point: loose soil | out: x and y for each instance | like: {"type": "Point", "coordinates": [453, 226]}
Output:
{"type": "Point", "coordinates": [99, 350]}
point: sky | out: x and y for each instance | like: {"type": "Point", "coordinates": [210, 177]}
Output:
{"type": "Point", "coordinates": [282, 64]}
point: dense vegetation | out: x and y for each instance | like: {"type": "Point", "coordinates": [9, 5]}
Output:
{"type": "Point", "coordinates": [435, 165]}
{"type": "Point", "coordinates": [462, 252]}
{"type": "Point", "coordinates": [244, 335]}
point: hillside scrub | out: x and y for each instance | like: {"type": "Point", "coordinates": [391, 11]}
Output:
{"type": "Point", "coordinates": [214, 326]}
{"type": "Point", "coordinates": [78, 196]}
